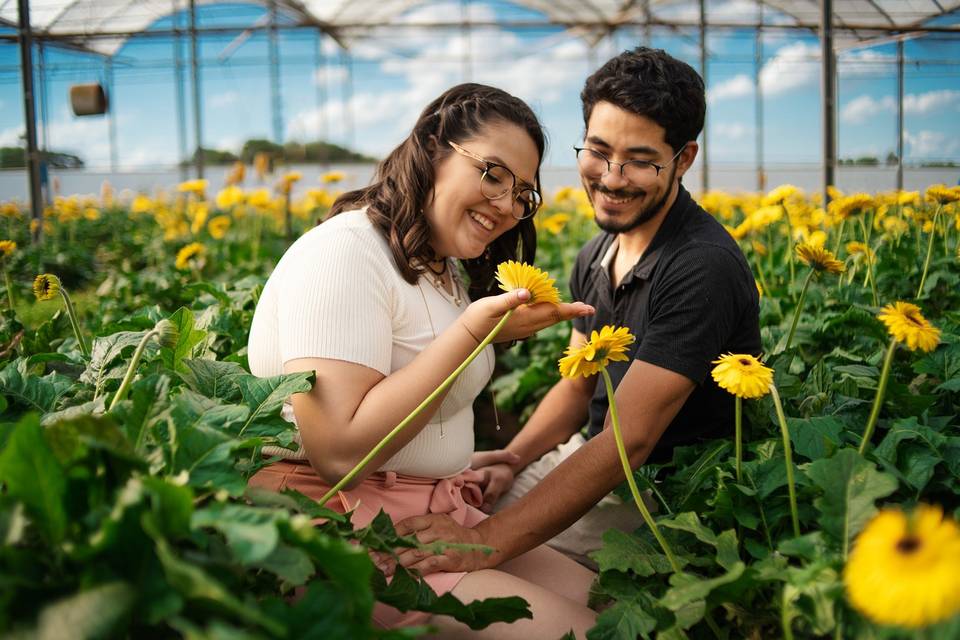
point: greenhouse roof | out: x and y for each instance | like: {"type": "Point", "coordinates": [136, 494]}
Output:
{"type": "Point", "coordinates": [104, 25]}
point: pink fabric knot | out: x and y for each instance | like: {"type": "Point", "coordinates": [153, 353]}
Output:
{"type": "Point", "coordinates": [453, 494]}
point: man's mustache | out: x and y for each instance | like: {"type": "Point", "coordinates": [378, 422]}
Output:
{"type": "Point", "coordinates": [618, 194]}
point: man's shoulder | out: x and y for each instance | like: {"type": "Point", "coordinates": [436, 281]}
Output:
{"type": "Point", "coordinates": [594, 248]}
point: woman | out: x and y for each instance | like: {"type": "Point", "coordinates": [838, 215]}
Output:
{"type": "Point", "coordinates": [371, 301]}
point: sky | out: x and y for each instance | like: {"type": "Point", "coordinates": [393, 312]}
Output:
{"type": "Point", "coordinates": [368, 99]}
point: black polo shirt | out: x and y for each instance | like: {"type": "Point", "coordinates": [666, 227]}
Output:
{"type": "Point", "coordinates": [690, 298]}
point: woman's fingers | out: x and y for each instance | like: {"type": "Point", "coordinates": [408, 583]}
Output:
{"type": "Point", "coordinates": [496, 456]}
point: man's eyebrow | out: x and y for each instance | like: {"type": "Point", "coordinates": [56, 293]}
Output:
{"type": "Point", "coordinates": [642, 149]}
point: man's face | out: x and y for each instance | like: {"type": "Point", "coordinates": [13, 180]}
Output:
{"type": "Point", "coordinates": [623, 204]}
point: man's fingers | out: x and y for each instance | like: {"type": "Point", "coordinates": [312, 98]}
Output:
{"type": "Point", "coordinates": [411, 525]}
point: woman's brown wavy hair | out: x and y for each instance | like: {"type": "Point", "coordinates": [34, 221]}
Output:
{"type": "Point", "coordinates": [404, 182]}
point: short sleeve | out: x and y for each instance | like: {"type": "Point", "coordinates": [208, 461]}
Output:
{"type": "Point", "coordinates": [334, 301]}
{"type": "Point", "coordinates": [693, 310]}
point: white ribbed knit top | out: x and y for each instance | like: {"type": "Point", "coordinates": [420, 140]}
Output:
{"type": "Point", "coordinates": [336, 293]}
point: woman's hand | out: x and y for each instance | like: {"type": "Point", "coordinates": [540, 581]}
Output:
{"type": "Point", "coordinates": [482, 315]}
{"type": "Point", "coordinates": [497, 468]}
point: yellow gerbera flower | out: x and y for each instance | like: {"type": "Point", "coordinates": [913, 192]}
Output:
{"type": "Point", "coordinates": [7, 247]}
{"type": "Point", "coordinates": [218, 227]}
{"type": "Point", "coordinates": [908, 326]}
{"type": "Point", "coordinates": [555, 223]}
{"type": "Point", "coordinates": [198, 187]}
{"type": "Point", "coordinates": [192, 251]}
{"type": "Point", "coordinates": [905, 570]}
{"type": "Point", "coordinates": [942, 194]}
{"type": "Point", "coordinates": [332, 177]}
{"type": "Point", "coordinates": [46, 286]}
{"type": "Point", "coordinates": [781, 193]}
{"type": "Point", "coordinates": [516, 275]}
{"type": "Point", "coordinates": [742, 375]}
{"type": "Point", "coordinates": [603, 347]}
{"type": "Point", "coordinates": [819, 258]}
{"type": "Point", "coordinates": [856, 248]}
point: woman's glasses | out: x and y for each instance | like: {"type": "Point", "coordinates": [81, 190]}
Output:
{"type": "Point", "coordinates": [496, 181]}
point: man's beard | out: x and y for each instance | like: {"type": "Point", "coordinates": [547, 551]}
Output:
{"type": "Point", "coordinates": [640, 217]}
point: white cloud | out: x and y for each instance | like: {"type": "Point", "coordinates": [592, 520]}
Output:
{"type": "Point", "coordinates": [12, 137]}
{"type": "Point", "coordinates": [730, 130]}
{"type": "Point", "coordinates": [736, 87]}
{"type": "Point", "coordinates": [332, 73]}
{"type": "Point", "coordinates": [791, 67]}
{"type": "Point", "coordinates": [931, 144]}
{"type": "Point", "coordinates": [225, 99]}
{"type": "Point", "coordinates": [931, 101]}
{"type": "Point", "coordinates": [862, 108]}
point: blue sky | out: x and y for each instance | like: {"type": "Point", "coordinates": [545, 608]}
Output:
{"type": "Point", "coordinates": [397, 72]}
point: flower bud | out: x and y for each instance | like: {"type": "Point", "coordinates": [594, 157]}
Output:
{"type": "Point", "coordinates": [46, 286]}
{"type": "Point", "coordinates": [167, 333]}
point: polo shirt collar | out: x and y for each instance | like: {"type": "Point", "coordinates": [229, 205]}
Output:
{"type": "Point", "coordinates": [672, 223]}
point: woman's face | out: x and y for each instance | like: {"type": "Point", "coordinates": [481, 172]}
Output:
{"type": "Point", "coordinates": [462, 221]}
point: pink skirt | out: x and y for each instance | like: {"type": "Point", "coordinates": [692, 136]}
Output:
{"type": "Point", "coordinates": [400, 497]}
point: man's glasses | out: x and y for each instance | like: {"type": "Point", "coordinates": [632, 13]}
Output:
{"type": "Point", "coordinates": [638, 172]}
{"type": "Point", "coordinates": [496, 180]}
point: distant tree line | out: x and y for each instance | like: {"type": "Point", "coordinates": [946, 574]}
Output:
{"type": "Point", "coordinates": [891, 160]}
{"type": "Point", "coordinates": [16, 158]}
{"type": "Point", "coordinates": [290, 153]}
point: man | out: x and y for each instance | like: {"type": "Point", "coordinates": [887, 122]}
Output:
{"type": "Point", "coordinates": [661, 266]}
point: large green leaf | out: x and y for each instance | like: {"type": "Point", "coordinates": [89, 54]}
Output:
{"type": "Point", "coordinates": [105, 352]}
{"type": "Point", "coordinates": [815, 438]}
{"type": "Point", "coordinates": [33, 475]}
{"type": "Point", "coordinates": [687, 588]}
{"type": "Point", "coordinates": [850, 487]}
{"type": "Point", "coordinates": [31, 391]}
{"type": "Point", "coordinates": [289, 563]}
{"type": "Point", "coordinates": [189, 337]}
{"type": "Point", "coordinates": [625, 620]}
{"type": "Point", "coordinates": [265, 396]}
{"type": "Point", "coordinates": [149, 398]}
{"type": "Point", "coordinates": [91, 613]}
{"type": "Point", "coordinates": [622, 551]}
{"type": "Point", "coordinates": [213, 378]}
{"type": "Point", "coordinates": [251, 532]}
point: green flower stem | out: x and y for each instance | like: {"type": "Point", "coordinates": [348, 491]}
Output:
{"type": "Point", "coordinates": [74, 322]}
{"type": "Point", "coordinates": [796, 314]}
{"type": "Point", "coordinates": [788, 458]}
{"type": "Point", "coordinates": [878, 399]}
{"type": "Point", "coordinates": [413, 414]}
{"type": "Point", "coordinates": [132, 368]}
{"type": "Point", "coordinates": [786, 214]}
{"type": "Point", "coordinates": [784, 618]}
{"type": "Point", "coordinates": [628, 472]}
{"type": "Point", "coordinates": [870, 276]}
{"type": "Point", "coordinates": [6, 280]}
{"type": "Point", "coordinates": [738, 445]}
{"type": "Point", "coordinates": [926, 263]}
{"type": "Point", "coordinates": [843, 226]}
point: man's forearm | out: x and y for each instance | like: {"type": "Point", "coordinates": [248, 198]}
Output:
{"type": "Point", "coordinates": [559, 500]}
{"type": "Point", "coordinates": [559, 415]}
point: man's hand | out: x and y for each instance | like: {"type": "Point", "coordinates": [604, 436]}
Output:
{"type": "Point", "coordinates": [441, 527]}
{"type": "Point", "coordinates": [497, 468]}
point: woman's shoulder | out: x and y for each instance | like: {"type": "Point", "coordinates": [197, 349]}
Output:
{"type": "Point", "coordinates": [348, 229]}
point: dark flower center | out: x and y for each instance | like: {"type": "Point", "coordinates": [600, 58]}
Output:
{"type": "Point", "coordinates": [913, 319]}
{"type": "Point", "coordinates": [744, 362]}
{"type": "Point", "coordinates": [908, 544]}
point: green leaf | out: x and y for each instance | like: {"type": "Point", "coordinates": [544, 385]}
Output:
{"type": "Point", "coordinates": [850, 486]}
{"type": "Point", "coordinates": [105, 351]}
{"type": "Point", "coordinates": [693, 477]}
{"type": "Point", "coordinates": [172, 504]}
{"type": "Point", "coordinates": [265, 396]}
{"type": "Point", "coordinates": [194, 583]}
{"type": "Point", "coordinates": [625, 620]}
{"type": "Point", "coordinates": [815, 438]}
{"type": "Point", "coordinates": [213, 378]}
{"type": "Point", "coordinates": [91, 613]}
{"type": "Point", "coordinates": [71, 439]}
{"type": "Point", "coordinates": [31, 391]}
{"type": "Point", "coordinates": [289, 563]}
{"type": "Point", "coordinates": [251, 533]}
{"type": "Point", "coordinates": [687, 588]}
{"type": "Point", "coordinates": [622, 551]}
{"type": "Point", "coordinates": [189, 337]}
{"type": "Point", "coordinates": [33, 475]}
{"type": "Point", "coordinates": [294, 501]}
{"type": "Point", "coordinates": [149, 398]}
{"type": "Point", "coordinates": [407, 594]}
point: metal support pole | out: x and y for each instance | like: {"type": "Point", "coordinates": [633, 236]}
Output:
{"type": "Point", "coordinates": [705, 160]}
{"type": "Point", "coordinates": [320, 77]}
{"type": "Point", "coordinates": [29, 113]}
{"type": "Point", "coordinates": [647, 30]}
{"type": "Point", "coordinates": [900, 115]}
{"type": "Point", "coordinates": [347, 60]}
{"type": "Point", "coordinates": [181, 108]}
{"type": "Point", "coordinates": [758, 101]}
{"type": "Point", "coordinates": [195, 82]}
{"type": "Point", "coordinates": [465, 34]}
{"type": "Point", "coordinates": [828, 82]}
{"type": "Point", "coordinates": [43, 103]}
{"type": "Point", "coordinates": [276, 106]}
{"type": "Point", "coordinates": [111, 116]}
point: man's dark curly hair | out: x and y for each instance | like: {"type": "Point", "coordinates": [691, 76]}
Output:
{"type": "Point", "coordinates": [653, 84]}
